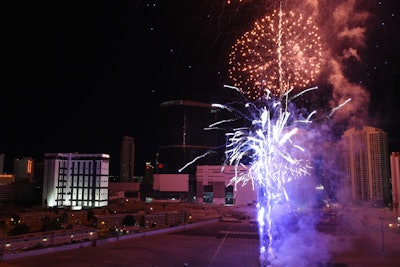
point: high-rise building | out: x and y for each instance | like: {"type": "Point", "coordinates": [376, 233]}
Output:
{"type": "Point", "coordinates": [395, 172]}
{"type": "Point", "coordinates": [20, 186]}
{"type": "Point", "coordinates": [366, 166]}
{"type": "Point", "coordinates": [2, 163]}
{"type": "Point", "coordinates": [127, 163]}
{"type": "Point", "coordinates": [184, 137]}
{"type": "Point", "coordinates": [75, 180]}
{"type": "Point", "coordinates": [23, 170]}
{"type": "Point", "coordinates": [186, 140]}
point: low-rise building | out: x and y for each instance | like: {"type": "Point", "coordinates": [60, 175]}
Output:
{"type": "Point", "coordinates": [75, 180]}
{"type": "Point", "coordinates": [214, 186]}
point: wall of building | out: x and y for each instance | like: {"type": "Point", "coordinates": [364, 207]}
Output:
{"type": "Point", "coordinates": [216, 179]}
{"type": "Point", "coordinates": [366, 164]}
{"type": "Point", "coordinates": [76, 180]}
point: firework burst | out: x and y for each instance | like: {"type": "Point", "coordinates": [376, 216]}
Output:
{"type": "Point", "coordinates": [282, 51]}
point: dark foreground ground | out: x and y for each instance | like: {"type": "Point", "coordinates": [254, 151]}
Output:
{"type": "Point", "coordinates": [223, 244]}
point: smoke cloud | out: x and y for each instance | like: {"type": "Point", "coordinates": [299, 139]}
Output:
{"type": "Point", "coordinates": [347, 30]}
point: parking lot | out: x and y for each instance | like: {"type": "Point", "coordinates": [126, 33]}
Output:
{"type": "Point", "coordinates": [230, 243]}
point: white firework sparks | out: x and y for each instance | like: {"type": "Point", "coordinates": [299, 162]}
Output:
{"type": "Point", "coordinates": [268, 150]}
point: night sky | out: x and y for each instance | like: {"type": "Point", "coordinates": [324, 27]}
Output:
{"type": "Point", "coordinates": [77, 76]}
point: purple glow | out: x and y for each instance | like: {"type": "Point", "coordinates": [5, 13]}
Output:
{"type": "Point", "coordinates": [272, 150]}
{"type": "Point", "coordinates": [268, 148]}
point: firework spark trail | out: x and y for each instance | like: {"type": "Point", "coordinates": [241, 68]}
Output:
{"type": "Point", "coordinates": [338, 107]}
{"type": "Point", "coordinates": [279, 49]}
{"type": "Point", "coordinates": [195, 159]}
{"type": "Point", "coordinates": [269, 153]}
{"type": "Point", "coordinates": [268, 143]}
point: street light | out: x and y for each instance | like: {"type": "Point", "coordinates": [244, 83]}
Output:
{"type": "Point", "coordinates": [382, 232]}
{"type": "Point", "coordinates": [383, 237]}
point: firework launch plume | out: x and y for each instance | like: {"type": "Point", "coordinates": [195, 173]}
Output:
{"type": "Point", "coordinates": [269, 152]}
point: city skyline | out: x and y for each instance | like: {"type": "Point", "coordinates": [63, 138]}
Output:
{"type": "Point", "coordinates": [81, 77]}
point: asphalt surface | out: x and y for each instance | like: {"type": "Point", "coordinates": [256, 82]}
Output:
{"type": "Point", "coordinates": [218, 244]}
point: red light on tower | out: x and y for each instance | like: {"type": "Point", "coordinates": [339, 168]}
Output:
{"type": "Point", "coordinates": [149, 166]}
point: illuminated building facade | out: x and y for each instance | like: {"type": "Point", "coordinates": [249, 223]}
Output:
{"type": "Point", "coordinates": [127, 163]}
{"type": "Point", "coordinates": [365, 161]}
{"type": "Point", "coordinates": [76, 180]}
{"type": "Point", "coordinates": [7, 192]}
{"type": "Point", "coordinates": [6, 179]}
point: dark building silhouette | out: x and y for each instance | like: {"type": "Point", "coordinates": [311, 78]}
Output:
{"type": "Point", "coordinates": [183, 137]}
{"type": "Point", "coordinates": [185, 142]}
{"type": "Point", "coordinates": [127, 164]}
{"type": "Point", "coordinates": [2, 157]}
